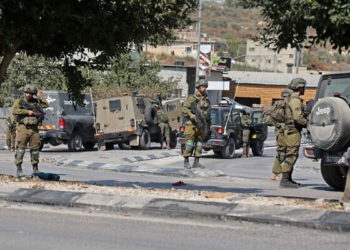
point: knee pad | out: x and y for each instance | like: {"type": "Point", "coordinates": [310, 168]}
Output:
{"type": "Point", "coordinates": [20, 153]}
{"type": "Point", "coordinates": [34, 153]}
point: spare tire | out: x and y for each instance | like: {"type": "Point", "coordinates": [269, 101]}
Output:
{"type": "Point", "coordinates": [150, 115]}
{"type": "Point", "coordinates": [329, 123]}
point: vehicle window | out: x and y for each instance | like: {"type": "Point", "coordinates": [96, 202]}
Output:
{"type": "Point", "coordinates": [114, 105]}
{"type": "Point", "coordinates": [329, 86]}
{"type": "Point", "coordinates": [225, 116]}
{"type": "Point", "coordinates": [257, 117]}
{"type": "Point", "coordinates": [140, 103]}
{"type": "Point", "coordinates": [214, 114]}
{"type": "Point", "coordinates": [236, 117]}
{"type": "Point", "coordinates": [70, 107]}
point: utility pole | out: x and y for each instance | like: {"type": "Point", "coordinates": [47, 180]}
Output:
{"type": "Point", "coordinates": [198, 37]}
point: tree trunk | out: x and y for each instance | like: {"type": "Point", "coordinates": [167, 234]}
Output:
{"type": "Point", "coordinates": [8, 56]}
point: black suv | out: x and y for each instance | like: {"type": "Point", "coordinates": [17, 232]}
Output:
{"type": "Point", "coordinates": [328, 128]}
{"type": "Point", "coordinates": [226, 131]}
{"type": "Point", "coordinates": [67, 124]}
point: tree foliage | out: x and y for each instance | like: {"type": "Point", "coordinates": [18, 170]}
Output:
{"type": "Point", "coordinates": [62, 28]}
{"type": "Point", "coordinates": [295, 22]}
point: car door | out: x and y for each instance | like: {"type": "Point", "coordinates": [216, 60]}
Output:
{"type": "Point", "coordinates": [259, 128]}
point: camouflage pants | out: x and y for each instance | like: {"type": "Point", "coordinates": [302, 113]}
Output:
{"type": "Point", "coordinates": [245, 140]}
{"type": "Point", "coordinates": [165, 133]}
{"type": "Point", "coordinates": [27, 135]}
{"type": "Point", "coordinates": [11, 138]}
{"type": "Point", "coordinates": [194, 141]}
{"type": "Point", "coordinates": [287, 152]}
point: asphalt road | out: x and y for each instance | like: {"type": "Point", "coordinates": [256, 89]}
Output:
{"type": "Point", "coordinates": [35, 227]}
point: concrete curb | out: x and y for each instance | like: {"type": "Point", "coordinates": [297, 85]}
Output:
{"type": "Point", "coordinates": [235, 211]}
{"type": "Point", "coordinates": [178, 172]}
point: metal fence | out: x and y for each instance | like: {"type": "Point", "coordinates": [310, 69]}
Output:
{"type": "Point", "coordinates": [4, 113]}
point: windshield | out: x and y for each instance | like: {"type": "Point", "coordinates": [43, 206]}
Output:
{"type": "Point", "coordinates": [331, 86]}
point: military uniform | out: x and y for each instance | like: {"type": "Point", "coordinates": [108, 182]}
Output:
{"type": "Point", "coordinates": [27, 128]}
{"type": "Point", "coordinates": [163, 123]}
{"type": "Point", "coordinates": [11, 132]}
{"type": "Point", "coordinates": [197, 109]}
{"type": "Point", "coordinates": [246, 121]}
{"type": "Point", "coordinates": [289, 137]}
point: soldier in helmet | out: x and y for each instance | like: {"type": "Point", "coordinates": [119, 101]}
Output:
{"type": "Point", "coordinates": [163, 123]}
{"type": "Point", "coordinates": [289, 136]}
{"type": "Point", "coordinates": [246, 122]}
{"type": "Point", "coordinates": [197, 110]}
{"type": "Point", "coordinates": [11, 132]}
{"type": "Point", "coordinates": [29, 113]}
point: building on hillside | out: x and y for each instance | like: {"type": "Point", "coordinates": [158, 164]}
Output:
{"type": "Point", "coordinates": [286, 61]}
{"type": "Point", "coordinates": [265, 88]}
{"type": "Point", "coordinates": [185, 45]}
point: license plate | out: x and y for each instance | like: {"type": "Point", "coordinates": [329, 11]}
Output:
{"type": "Point", "coordinates": [332, 159]}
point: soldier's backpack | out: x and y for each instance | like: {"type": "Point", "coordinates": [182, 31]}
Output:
{"type": "Point", "coordinates": [276, 113]}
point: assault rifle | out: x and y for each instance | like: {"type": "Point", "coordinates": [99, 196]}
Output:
{"type": "Point", "coordinates": [36, 108]}
{"type": "Point", "coordinates": [201, 116]}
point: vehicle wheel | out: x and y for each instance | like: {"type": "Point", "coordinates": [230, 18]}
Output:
{"type": "Point", "coordinates": [89, 146]}
{"type": "Point", "coordinates": [173, 139]}
{"type": "Point", "coordinates": [123, 145]}
{"type": "Point", "coordinates": [150, 115]}
{"type": "Point", "coordinates": [228, 151]}
{"type": "Point", "coordinates": [217, 153]}
{"type": "Point", "coordinates": [333, 176]}
{"type": "Point", "coordinates": [76, 142]}
{"type": "Point", "coordinates": [145, 140]}
{"type": "Point", "coordinates": [109, 145]}
{"type": "Point", "coordinates": [257, 147]}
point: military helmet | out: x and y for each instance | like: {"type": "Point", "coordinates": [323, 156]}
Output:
{"type": "Point", "coordinates": [297, 83]}
{"type": "Point", "coordinates": [29, 88]}
{"type": "Point", "coordinates": [201, 82]}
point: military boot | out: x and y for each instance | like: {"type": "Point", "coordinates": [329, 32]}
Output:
{"type": "Point", "coordinates": [35, 169]}
{"type": "Point", "coordinates": [187, 162]}
{"type": "Point", "coordinates": [196, 163]}
{"type": "Point", "coordinates": [20, 174]}
{"type": "Point", "coordinates": [287, 182]}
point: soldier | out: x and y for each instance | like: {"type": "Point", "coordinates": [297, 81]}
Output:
{"type": "Point", "coordinates": [11, 132]}
{"type": "Point", "coordinates": [291, 137]}
{"type": "Point", "coordinates": [246, 121]}
{"type": "Point", "coordinates": [280, 149]}
{"type": "Point", "coordinates": [197, 110]}
{"type": "Point", "coordinates": [29, 113]}
{"type": "Point", "coordinates": [163, 123]}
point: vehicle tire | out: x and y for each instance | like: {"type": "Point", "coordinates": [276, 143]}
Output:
{"type": "Point", "coordinates": [228, 151]}
{"type": "Point", "coordinates": [333, 176]}
{"type": "Point", "coordinates": [150, 115]}
{"type": "Point", "coordinates": [257, 147]}
{"type": "Point", "coordinates": [329, 123]}
{"type": "Point", "coordinates": [109, 146]}
{"type": "Point", "coordinates": [76, 142]}
{"type": "Point", "coordinates": [145, 140]}
{"type": "Point", "coordinates": [173, 139]}
{"type": "Point", "coordinates": [89, 146]}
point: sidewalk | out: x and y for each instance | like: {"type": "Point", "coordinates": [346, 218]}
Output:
{"type": "Point", "coordinates": [234, 210]}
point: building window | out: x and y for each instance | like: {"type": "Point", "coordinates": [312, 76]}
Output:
{"type": "Point", "coordinates": [251, 49]}
{"type": "Point", "coordinates": [253, 60]}
{"type": "Point", "coordinates": [279, 61]}
{"type": "Point", "coordinates": [188, 50]}
{"type": "Point", "coordinates": [291, 55]}
{"type": "Point", "coordinates": [268, 60]}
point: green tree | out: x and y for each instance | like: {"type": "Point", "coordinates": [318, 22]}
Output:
{"type": "Point", "coordinates": [63, 28]}
{"type": "Point", "coordinates": [289, 21]}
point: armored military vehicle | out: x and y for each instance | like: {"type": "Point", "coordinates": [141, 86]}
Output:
{"type": "Point", "coordinates": [129, 121]}
{"type": "Point", "coordinates": [226, 131]}
{"type": "Point", "coordinates": [66, 123]}
{"type": "Point", "coordinates": [329, 128]}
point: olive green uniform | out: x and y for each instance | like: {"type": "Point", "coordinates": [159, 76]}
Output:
{"type": "Point", "coordinates": [11, 132]}
{"type": "Point", "coordinates": [291, 137]}
{"type": "Point", "coordinates": [163, 124]}
{"type": "Point", "coordinates": [27, 130]}
{"type": "Point", "coordinates": [193, 133]}
{"type": "Point", "coordinates": [246, 121]}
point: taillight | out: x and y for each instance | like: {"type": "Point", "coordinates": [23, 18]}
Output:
{"type": "Point", "coordinates": [132, 123]}
{"type": "Point", "coordinates": [62, 123]}
{"type": "Point", "coordinates": [182, 129]}
{"type": "Point", "coordinates": [220, 130]}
